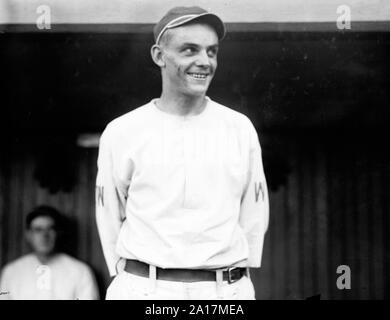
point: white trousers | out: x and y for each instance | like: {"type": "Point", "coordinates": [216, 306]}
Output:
{"type": "Point", "coordinates": [127, 286]}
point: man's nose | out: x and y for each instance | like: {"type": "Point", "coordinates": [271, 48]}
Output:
{"type": "Point", "coordinates": [46, 234]}
{"type": "Point", "coordinates": [203, 59]}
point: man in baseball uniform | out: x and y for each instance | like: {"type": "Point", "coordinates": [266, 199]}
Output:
{"type": "Point", "coordinates": [181, 196]}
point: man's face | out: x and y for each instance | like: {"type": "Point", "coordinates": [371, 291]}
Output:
{"type": "Point", "coordinates": [42, 235]}
{"type": "Point", "coordinates": [190, 55]}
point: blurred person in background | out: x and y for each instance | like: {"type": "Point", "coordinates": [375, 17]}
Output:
{"type": "Point", "coordinates": [46, 273]}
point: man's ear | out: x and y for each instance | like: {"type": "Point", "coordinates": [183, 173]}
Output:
{"type": "Point", "coordinates": [157, 55]}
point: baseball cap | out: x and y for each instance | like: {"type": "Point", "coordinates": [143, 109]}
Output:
{"type": "Point", "coordinates": [179, 16]}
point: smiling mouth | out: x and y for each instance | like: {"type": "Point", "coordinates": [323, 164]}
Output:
{"type": "Point", "coordinates": [199, 76]}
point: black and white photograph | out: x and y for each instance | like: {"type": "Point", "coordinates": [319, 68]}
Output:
{"type": "Point", "coordinates": [194, 150]}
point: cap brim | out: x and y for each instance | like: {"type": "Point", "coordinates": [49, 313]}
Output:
{"type": "Point", "coordinates": [209, 18]}
{"type": "Point", "coordinates": [213, 20]}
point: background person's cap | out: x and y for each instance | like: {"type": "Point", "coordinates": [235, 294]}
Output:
{"type": "Point", "coordinates": [178, 16]}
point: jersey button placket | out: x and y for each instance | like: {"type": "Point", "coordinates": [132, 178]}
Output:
{"type": "Point", "coordinates": [188, 145]}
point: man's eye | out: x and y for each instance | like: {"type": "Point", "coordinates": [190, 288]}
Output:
{"type": "Point", "coordinates": [189, 50]}
{"type": "Point", "coordinates": [212, 52]}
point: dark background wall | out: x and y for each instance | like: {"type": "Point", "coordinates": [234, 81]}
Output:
{"type": "Point", "coordinates": [318, 99]}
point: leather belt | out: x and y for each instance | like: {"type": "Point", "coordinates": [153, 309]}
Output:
{"type": "Point", "coordinates": [140, 268]}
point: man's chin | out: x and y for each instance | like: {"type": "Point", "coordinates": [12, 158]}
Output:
{"type": "Point", "coordinates": [45, 251]}
{"type": "Point", "coordinates": [198, 91]}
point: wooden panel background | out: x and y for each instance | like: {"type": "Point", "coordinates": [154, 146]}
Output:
{"type": "Point", "coordinates": [332, 211]}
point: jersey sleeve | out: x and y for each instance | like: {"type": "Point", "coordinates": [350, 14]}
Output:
{"type": "Point", "coordinates": [254, 211]}
{"type": "Point", "coordinates": [110, 202]}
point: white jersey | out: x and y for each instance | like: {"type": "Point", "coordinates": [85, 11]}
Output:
{"type": "Point", "coordinates": [182, 192]}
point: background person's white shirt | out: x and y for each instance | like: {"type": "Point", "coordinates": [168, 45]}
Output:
{"type": "Point", "coordinates": [62, 278]}
{"type": "Point", "coordinates": [181, 192]}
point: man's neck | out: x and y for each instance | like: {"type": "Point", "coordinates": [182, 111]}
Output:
{"type": "Point", "coordinates": [181, 105]}
{"type": "Point", "coordinates": [44, 259]}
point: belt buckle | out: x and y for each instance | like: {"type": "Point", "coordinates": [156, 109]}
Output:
{"type": "Point", "coordinates": [230, 279]}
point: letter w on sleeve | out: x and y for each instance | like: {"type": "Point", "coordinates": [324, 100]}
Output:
{"type": "Point", "coordinates": [254, 212]}
{"type": "Point", "coordinates": [110, 203]}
